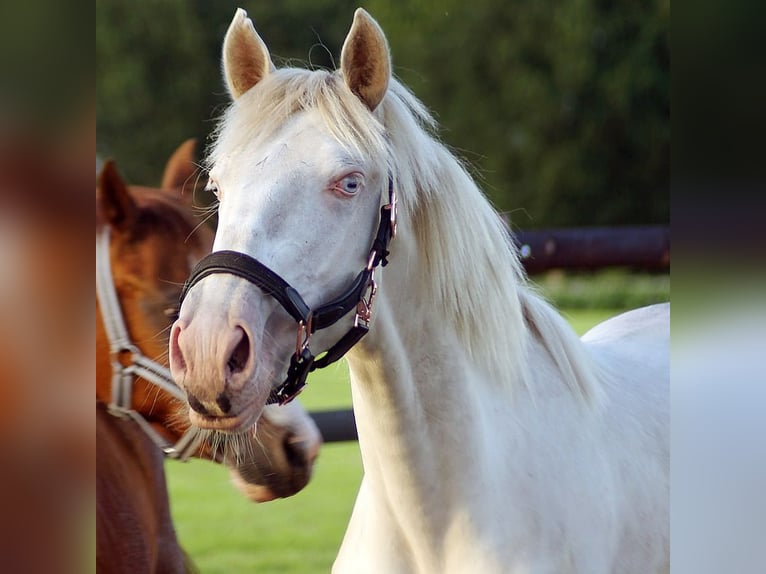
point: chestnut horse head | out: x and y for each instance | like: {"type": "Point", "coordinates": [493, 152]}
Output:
{"type": "Point", "coordinates": [154, 239]}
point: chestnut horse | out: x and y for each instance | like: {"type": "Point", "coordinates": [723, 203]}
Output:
{"type": "Point", "coordinates": [147, 241]}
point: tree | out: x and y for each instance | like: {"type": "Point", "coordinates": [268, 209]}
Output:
{"type": "Point", "coordinates": [562, 108]}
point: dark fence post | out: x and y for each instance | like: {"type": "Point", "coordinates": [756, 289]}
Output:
{"type": "Point", "coordinates": [644, 247]}
{"type": "Point", "coordinates": [336, 426]}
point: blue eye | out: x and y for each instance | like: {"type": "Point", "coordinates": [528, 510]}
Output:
{"type": "Point", "coordinates": [350, 184]}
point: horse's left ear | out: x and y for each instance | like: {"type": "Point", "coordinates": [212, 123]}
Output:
{"type": "Point", "coordinates": [365, 60]}
{"type": "Point", "coordinates": [113, 197]}
{"type": "Point", "coordinates": [180, 167]}
{"type": "Point", "coordinates": [246, 59]}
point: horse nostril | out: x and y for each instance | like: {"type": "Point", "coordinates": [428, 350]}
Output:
{"type": "Point", "coordinates": [223, 403]}
{"type": "Point", "coordinates": [240, 356]}
{"type": "Point", "coordinates": [196, 405]}
{"type": "Point", "coordinates": [176, 355]}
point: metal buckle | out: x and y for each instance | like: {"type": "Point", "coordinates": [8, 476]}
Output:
{"type": "Point", "coordinates": [304, 334]}
{"type": "Point", "coordinates": [364, 308]}
{"type": "Point", "coordinates": [371, 260]}
{"type": "Point", "coordinates": [299, 369]}
{"type": "Point", "coordinates": [124, 355]}
{"type": "Point", "coordinates": [393, 208]}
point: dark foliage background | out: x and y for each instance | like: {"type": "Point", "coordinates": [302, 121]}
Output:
{"type": "Point", "coordinates": [562, 108]}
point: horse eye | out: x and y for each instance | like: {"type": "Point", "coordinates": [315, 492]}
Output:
{"type": "Point", "coordinates": [213, 188]}
{"type": "Point", "coordinates": [171, 312]}
{"type": "Point", "coordinates": [351, 184]}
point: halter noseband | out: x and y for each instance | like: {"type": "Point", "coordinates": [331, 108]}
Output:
{"type": "Point", "coordinates": [128, 362]}
{"type": "Point", "coordinates": [309, 320]}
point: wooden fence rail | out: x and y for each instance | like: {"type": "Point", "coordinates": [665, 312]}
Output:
{"type": "Point", "coordinates": [644, 247]}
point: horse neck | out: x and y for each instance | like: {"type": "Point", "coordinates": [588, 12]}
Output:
{"type": "Point", "coordinates": [132, 505]}
{"type": "Point", "coordinates": [418, 399]}
{"type": "Point", "coordinates": [122, 443]}
{"type": "Point", "coordinates": [440, 414]}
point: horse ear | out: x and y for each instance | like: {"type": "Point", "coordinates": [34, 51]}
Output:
{"type": "Point", "coordinates": [365, 60]}
{"type": "Point", "coordinates": [113, 196]}
{"type": "Point", "coordinates": [180, 167]}
{"type": "Point", "coordinates": [246, 59]}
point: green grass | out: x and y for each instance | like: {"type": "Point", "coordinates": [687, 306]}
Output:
{"type": "Point", "coordinates": [583, 319]}
{"type": "Point", "coordinates": [224, 533]}
{"type": "Point", "coordinates": [605, 289]}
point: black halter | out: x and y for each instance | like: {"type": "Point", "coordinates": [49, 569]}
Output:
{"type": "Point", "coordinates": [309, 320]}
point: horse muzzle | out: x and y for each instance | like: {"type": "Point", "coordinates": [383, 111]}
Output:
{"type": "Point", "coordinates": [215, 364]}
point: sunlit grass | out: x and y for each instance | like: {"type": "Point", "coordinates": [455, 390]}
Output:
{"type": "Point", "coordinates": [225, 533]}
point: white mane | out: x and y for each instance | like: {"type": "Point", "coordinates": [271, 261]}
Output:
{"type": "Point", "coordinates": [470, 267]}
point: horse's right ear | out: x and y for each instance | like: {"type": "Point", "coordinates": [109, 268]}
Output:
{"type": "Point", "coordinates": [246, 59]}
{"type": "Point", "coordinates": [113, 197]}
{"type": "Point", "coordinates": [365, 60]}
{"type": "Point", "coordinates": [180, 168]}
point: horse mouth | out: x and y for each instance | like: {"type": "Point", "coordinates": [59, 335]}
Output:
{"type": "Point", "coordinates": [234, 424]}
{"type": "Point", "coordinates": [280, 469]}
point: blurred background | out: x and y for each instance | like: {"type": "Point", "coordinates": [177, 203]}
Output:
{"type": "Point", "coordinates": [561, 108]}
{"type": "Point", "coordinates": [47, 141]}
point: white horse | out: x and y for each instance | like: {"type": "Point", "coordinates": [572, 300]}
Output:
{"type": "Point", "coordinates": [493, 439]}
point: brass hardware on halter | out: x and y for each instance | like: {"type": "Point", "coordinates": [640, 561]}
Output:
{"type": "Point", "coordinates": [304, 334]}
{"type": "Point", "coordinates": [392, 206]}
{"type": "Point", "coordinates": [364, 308]}
{"type": "Point", "coordinates": [371, 260]}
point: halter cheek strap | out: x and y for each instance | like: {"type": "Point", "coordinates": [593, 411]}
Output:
{"type": "Point", "coordinates": [129, 363]}
{"type": "Point", "coordinates": [359, 295]}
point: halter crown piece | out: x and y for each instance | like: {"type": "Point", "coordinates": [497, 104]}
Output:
{"type": "Point", "coordinates": [128, 362]}
{"type": "Point", "coordinates": [360, 296]}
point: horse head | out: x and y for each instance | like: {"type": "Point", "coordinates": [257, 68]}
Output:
{"type": "Point", "coordinates": [300, 170]}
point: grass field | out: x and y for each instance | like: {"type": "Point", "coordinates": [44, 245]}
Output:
{"type": "Point", "coordinates": [224, 533]}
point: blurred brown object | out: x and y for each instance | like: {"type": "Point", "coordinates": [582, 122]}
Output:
{"type": "Point", "coordinates": [47, 443]}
